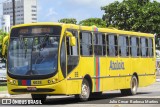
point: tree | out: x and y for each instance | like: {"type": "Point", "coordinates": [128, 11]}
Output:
{"type": "Point", "coordinates": [134, 15]}
{"type": "Point", "coordinates": [2, 36]}
{"type": "Point", "coordinates": [93, 21]}
{"type": "Point", "coordinates": [68, 20]}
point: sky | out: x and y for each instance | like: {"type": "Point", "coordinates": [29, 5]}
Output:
{"type": "Point", "coordinates": [54, 10]}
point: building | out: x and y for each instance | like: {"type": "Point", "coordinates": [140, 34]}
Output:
{"type": "Point", "coordinates": [6, 23]}
{"type": "Point", "coordinates": [25, 11]}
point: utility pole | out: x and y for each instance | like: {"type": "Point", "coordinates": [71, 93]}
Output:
{"type": "Point", "coordinates": [13, 5]}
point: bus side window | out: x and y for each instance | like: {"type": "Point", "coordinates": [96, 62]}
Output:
{"type": "Point", "coordinates": [144, 47]}
{"type": "Point", "coordinates": [134, 46]}
{"type": "Point", "coordinates": [72, 52]}
{"type": "Point", "coordinates": [150, 47]}
{"type": "Point", "coordinates": [104, 42]}
{"type": "Point", "coordinates": [138, 46]}
{"type": "Point", "coordinates": [146, 41]}
{"type": "Point", "coordinates": [112, 45]}
{"type": "Point", "coordinates": [86, 44]}
{"type": "Point", "coordinates": [127, 40]}
{"type": "Point", "coordinates": [99, 44]}
{"type": "Point", "coordinates": [123, 46]}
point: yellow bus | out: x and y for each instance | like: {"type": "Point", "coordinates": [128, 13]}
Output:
{"type": "Point", "coordinates": [4, 45]}
{"type": "Point", "coordinates": [65, 59]}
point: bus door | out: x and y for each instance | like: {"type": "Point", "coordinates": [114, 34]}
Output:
{"type": "Point", "coordinates": [72, 62]}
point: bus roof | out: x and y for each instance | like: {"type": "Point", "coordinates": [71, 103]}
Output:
{"type": "Point", "coordinates": [89, 28]}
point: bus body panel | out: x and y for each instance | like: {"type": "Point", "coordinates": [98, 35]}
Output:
{"type": "Point", "coordinates": [73, 86]}
{"type": "Point", "coordinates": [59, 88]}
{"type": "Point", "coordinates": [74, 81]}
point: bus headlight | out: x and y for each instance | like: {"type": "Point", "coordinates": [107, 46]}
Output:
{"type": "Point", "coordinates": [49, 81]}
{"type": "Point", "coordinates": [12, 82]}
{"type": "Point", "coordinates": [54, 80]}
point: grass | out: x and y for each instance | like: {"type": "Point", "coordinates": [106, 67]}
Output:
{"type": "Point", "coordinates": [3, 88]}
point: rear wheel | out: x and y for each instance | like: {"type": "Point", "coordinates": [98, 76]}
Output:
{"type": "Point", "coordinates": [85, 91]}
{"type": "Point", "coordinates": [133, 85]}
{"type": "Point", "coordinates": [41, 97]}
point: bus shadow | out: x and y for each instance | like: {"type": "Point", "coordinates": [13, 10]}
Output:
{"type": "Point", "coordinates": [98, 99]}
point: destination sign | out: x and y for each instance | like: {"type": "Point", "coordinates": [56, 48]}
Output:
{"type": "Point", "coordinates": [36, 30]}
{"type": "Point", "coordinates": [41, 30]}
{"type": "Point", "coordinates": [23, 31]}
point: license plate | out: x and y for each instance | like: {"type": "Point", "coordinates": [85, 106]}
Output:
{"type": "Point", "coordinates": [31, 88]}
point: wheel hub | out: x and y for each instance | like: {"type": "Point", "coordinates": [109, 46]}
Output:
{"type": "Point", "coordinates": [134, 84]}
{"type": "Point", "coordinates": [85, 91]}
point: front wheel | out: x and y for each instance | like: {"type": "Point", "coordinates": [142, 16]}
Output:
{"type": "Point", "coordinates": [85, 91]}
{"type": "Point", "coordinates": [133, 85]}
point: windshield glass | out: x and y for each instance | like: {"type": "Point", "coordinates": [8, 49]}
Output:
{"type": "Point", "coordinates": [33, 54]}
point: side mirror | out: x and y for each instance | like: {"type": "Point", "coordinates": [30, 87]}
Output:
{"type": "Point", "coordinates": [4, 50]}
{"type": "Point", "coordinates": [72, 41]}
{"type": "Point", "coordinates": [72, 38]}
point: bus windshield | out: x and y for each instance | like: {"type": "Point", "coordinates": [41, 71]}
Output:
{"type": "Point", "coordinates": [33, 53]}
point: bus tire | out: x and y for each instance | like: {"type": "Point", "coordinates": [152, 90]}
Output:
{"type": "Point", "coordinates": [133, 85]}
{"type": "Point", "coordinates": [41, 97]}
{"type": "Point", "coordinates": [85, 91]}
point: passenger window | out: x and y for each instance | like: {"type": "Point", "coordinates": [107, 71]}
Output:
{"type": "Point", "coordinates": [72, 52]}
{"type": "Point", "coordinates": [144, 47]}
{"type": "Point", "coordinates": [150, 47]}
{"type": "Point", "coordinates": [112, 43]}
{"type": "Point", "coordinates": [123, 46]}
{"type": "Point", "coordinates": [99, 44]}
{"type": "Point", "coordinates": [138, 46]}
{"type": "Point", "coordinates": [86, 44]}
{"type": "Point", "coordinates": [134, 43]}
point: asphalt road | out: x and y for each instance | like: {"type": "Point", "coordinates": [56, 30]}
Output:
{"type": "Point", "coordinates": [152, 91]}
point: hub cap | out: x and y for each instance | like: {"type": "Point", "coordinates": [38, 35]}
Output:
{"type": "Point", "coordinates": [134, 84]}
{"type": "Point", "coordinates": [85, 91]}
